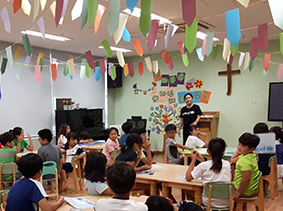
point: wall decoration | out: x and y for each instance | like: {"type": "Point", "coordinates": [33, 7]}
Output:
{"type": "Point", "coordinates": [163, 96]}
{"type": "Point", "coordinates": [144, 91]}
{"type": "Point", "coordinates": [198, 83]}
{"type": "Point", "coordinates": [173, 80]}
{"type": "Point", "coordinates": [205, 96]}
{"type": "Point", "coordinates": [164, 80]}
{"type": "Point", "coordinates": [202, 96]}
{"type": "Point", "coordinates": [181, 78]}
{"type": "Point", "coordinates": [229, 74]}
{"type": "Point", "coordinates": [156, 76]}
{"type": "Point", "coordinates": [161, 115]}
{"type": "Point", "coordinates": [190, 83]}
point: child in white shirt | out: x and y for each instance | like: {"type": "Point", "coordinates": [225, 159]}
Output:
{"type": "Point", "coordinates": [193, 140]}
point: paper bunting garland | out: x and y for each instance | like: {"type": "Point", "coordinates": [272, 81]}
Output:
{"type": "Point", "coordinates": [247, 60]}
{"type": "Point", "coordinates": [27, 60]}
{"type": "Point", "coordinates": [41, 26]}
{"type": "Point", "coordinates": [266, 61]}
{"type": "Point", "coordinates": [131, 69]}
{"type": "Point", "coordinates": [113, 73]}
{"type": "Point", "coordinates": [113, 17]}
{"type": "Point", "coordinates": [110, 64]}
{"type": "Point", "coordinates": [215, 52]}
{"type": "Point", "coordinates": [26, 7]}
{"type": "Point", "coordinates": [152, 34]}
{"type": "Point", "coordinates": [3, 65]}
{"type": "Point", "coordinates": [18, 51]}
{"type": "Point", "coordinates": [77, 9]}
{"type": "Point", "coordinates": [254, 47]}
{"type": "Point", "coordinates": [40, 56]}
{"type": "Point", "coordinates": [191, 36]}
{"type": "Point", "coordinates": [231, 58]}
{"type": "Point", "coordinates": [71, 67]}
{"type": "Point", "coordinates": [252, 63]}
{"type": "Point", "coordinates": [89, 59]}
{"type": "Point", "coordinates": [189, 11]}
{"type": "Point", "coordinates": [6, 20]}
{"type": "Point", "coordinates": [27, 45]}
{"type": "Point", "coordinates": [168, 35]}
{"type": "Point", "coordinates": [122, 23]}
{"type": "Point", "coordinates": [126, 70]}
{"type": "Point", "coordinates": [181, 46]}
{"type": "Point", "coordinates": [145, 18]}
{"type": "Point", "coordinates": [37, 73]}
{"type": "Point", "coordinates": [82, 70]}
{"type": "Point", "coordinates": [245, 3]}
{"type": "Point", "coordinates": [58, 11]}
{"type": "Point", "coordinates": [120, 58]}
{"type": "Point", "coordinates": [241, 59]}
{"type": "Point", "coordinates": [19, 71]}
{"type": "Point", "coordinates": [141, 69]}
{"type": "Point", "coordinates": [9, 56]}
{"type": "Point", "coordinates": [155, 66]}
{"type": "Point", "coordinates": [54, 72]}
{"type": "Point", "coordinates": [107, 48]}
{"type": "Point", "coordinates": [280, 72]}
{"type": "Point", "coordinates": [87, 70]}
{"type": "Point", "coordinates": [126, 35]}
{"type": "Point", "coordinates": [185, 59]}
{"type": "Point", "coordinates": [42, 4]}
{"type": "Point", "coordinates": [165, 56]}
{"type": "Point", "coordinates": [199, 54]}
{"type": "Point", "coordinates": [84, 14]}
{"type": "Point", "coordinates": [232, 18]}
{"type": "Point", "coordinates": [36, 8]}
{"type": "Point", "coordinates": [65, 4]}
{"type": "Point", "coordinates": [276, 11]}
{"type": "Point", "coordinates": [148, 64]}
{"type": "Point", "coordinates": [203, 47]}
{"type": "Point", "coordinates": [91, 11]}
{"type": "Point", "coordinates": [171, 64]}
{"type": "Point", "coordinates": [262, 34]}
{"type": "Point", "coordinates": [66, 70]}
{"type": "Point", "coordinates": [226, 49]}
{"type": "Point", "coordinates": [131, 4]}
{"type": "Point", "coordinates": [209, 43]}
{"type": "Point", "coordinates": [97, 73]}
{"type": "Point", "coordinates": [100, 11]}
{"type": "Point", "coordinates": [234, 49]}
{"type": "Point", "coordinates": [17, 5]}
{"type": "Point", "coordinates": [138, 48]}
{"type": "Point", "coordinates": [102, 65]}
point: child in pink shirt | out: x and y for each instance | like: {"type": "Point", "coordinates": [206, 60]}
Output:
{"type": "Point", "coordinates": [111, 144]}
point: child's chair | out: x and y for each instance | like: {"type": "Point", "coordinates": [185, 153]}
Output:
{"type": "Point", "coordinates": [76, 174]}
{"type": "Point", "coordinates": [272, 177]}
{"type": "Point", "coordinates": [219, 190]}
{"type": "Point", "coordinates": [8, 175]}
{"type": "Point", "coordinates": [114, 154]}
{"type": "Point", "coordinates": [50, 173]}
{"type": "Point", "coordinates": [3, 200]}
{"type": "Point", "coordinates": [258, 201]}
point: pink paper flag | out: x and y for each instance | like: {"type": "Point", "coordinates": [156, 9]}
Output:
{"type": "Point", "coordinates": [189, 11]}
{"type": "Point", "coordinates": [165, 56]}
{"type": "Point", "coordinates": [102, 65]}
{"type": "Point", "coordinates": [100, 11]}
{"type": "Point", "coordinates": [152, 34]}
{"type": "Point", "coordinates": [203, 47]}
{"type": "Point", "coordinates": [231, 60]}
{"type": "Point", "coordinates": [58, 11]}
{"type": "Point", "coordinates": [280, 72]}
{"type": "Point", "coordinates": [171, 64]}
{"type": "Point", "coordinates": [6, 20]}
{"type": "Point", "coordinates": [262, 34]}
{"type": "Point", "coordinates": [181, 46]}
{"type": "Point", "coordinates": [89, 59]}
{"type": "Point", "coordinates": [41, 26]}
{"type": "Point", "coordinates": [141, 68]}
{"type": "Point", "coordinates": [266, 62]}
{"type": "Point", "coordinates": [131, 69]}
{"type": "Point", "coordinates": [254, 48]}
{"type": "Point", "coordinates": [37, 73]}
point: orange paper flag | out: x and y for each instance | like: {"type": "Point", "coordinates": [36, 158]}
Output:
{"type": "Point", "coordinates": [141, 68]}
{"type": "Point", "coordinates": [203, 47]}
{"type": "Point", "coordinates": [54, 72]}
{"type": "Point", "coordinates": [17, 5]}
{"type": "Point", "coordinates": [165, 56]}
{"type": "Point", "coordinates": [266, 63]}
{"type": "Point", "coordinates": [100, 11]}
{"type": "Point", "coordinates": [17, 53]}
{"type": "Point", "coordinates": [126, 70]}
{"type": "Point", "coordinates": [138, 47]}
{"type": "Point", "coordinates": [40, 56]}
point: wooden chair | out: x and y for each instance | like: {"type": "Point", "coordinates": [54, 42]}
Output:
{"type": "Point", "coordinates": [8, 175]}
{"type": "Point", "coordinates": [164, 149]}
{"type": "Point", "coordinates": [50, 173]}
{"type": "Point", "coordinates": [3, 200]}
{"type": "Point", "coordinates": [76, 174]}
{"type": "Point", "coordinates": [258, 201]}
{"type": "Point", "coordinates": [271, 179]}
{"type": "Point", "coordinates": [219, 190]}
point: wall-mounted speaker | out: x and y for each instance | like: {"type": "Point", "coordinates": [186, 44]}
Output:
{"type": "Point", "coordinates": [117, 83]}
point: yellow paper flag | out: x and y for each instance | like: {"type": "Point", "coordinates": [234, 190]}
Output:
{"type": "Point", "coordinates": [126, 70]}
{"type": "Point", "coordinates": [18, 51]}
{"type": "Point", "coordinates": [52, 8]}
{"type": "Point", "coordinates": [40, 56]}
{"type": "Point", "coordinates": [42, 4]}
{"type": "Point", "coordinates": [26, 7]}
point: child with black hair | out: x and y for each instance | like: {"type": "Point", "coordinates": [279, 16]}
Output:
{"type": "Point", "coordinates": [121, 179]}
{"type": "Point", "coordinates": [215, 170]}
{"type": "Point", "coordinates": [95, 175]}
{"type": "Point", "coordinates": [85, 138]}
{"type": "Point", "coordinates": [279, 149]}
{"type": "Point", "coordinates": [28, 193]}
{"type": "Point", "coordinates": [131, 152]}
{"type": "Point", "coordinates": [173, 156]}
{"type": "Point", "coordinates": [111, 144]}
{"type": "Point", "coordinates": [193, 139]}
{"type": "Point", "coordinates": [19, 143]}
{"type": "Point", "coordinates": [7, 154]}
{"type": "Point", "coordinates": [263, 159]}
{"type": "Point", "coordinates": [246, 172]}
{"type": "Point", "coordinates": [64, 129]}
{"type": "Point", "coordinates": [126, 127]}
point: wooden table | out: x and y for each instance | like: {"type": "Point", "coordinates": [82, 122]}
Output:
{"type": "Point", "coordinates": [171, 175]}
{"type": "Point", "coordinates": [67, 207]}
{"type": "Point", "coordinates": [21, 154]}
{"type": "Point", "coordinates": [93, 146]}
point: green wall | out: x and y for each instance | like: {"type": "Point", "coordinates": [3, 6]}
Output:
{"type": "Point", "coordinates": [238, 113]}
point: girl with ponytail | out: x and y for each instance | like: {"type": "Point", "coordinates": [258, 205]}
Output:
{"type": "Point", "coordinates": [214, 170]}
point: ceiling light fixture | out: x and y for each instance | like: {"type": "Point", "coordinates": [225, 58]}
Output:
{"type": "Point", "coordinates": [48, 36]}
{"type": "Point", "coordinates": [124, 50]}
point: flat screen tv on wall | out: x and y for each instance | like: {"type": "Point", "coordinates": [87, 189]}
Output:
{"type": "Point", "coordinates": [275, 104]}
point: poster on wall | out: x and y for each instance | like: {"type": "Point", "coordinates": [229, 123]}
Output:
{"type": "Point", "coordinates": [201, 96]}
{"type": "Point", "coordinates": [144, 91]}
{"type": "Point", "coordinates": [164, 80]}
{"type": "Point", "coordinates": [173, 80]}
{"type": "Point", "coordinates": [166, 95]}
{"type": "Point", "coordinates": [181, 78]}
{"type": "Point", "coordinates": [156, 76]}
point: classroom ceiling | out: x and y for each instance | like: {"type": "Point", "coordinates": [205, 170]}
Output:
{"type": "Point", "coordinates": [210, 14]}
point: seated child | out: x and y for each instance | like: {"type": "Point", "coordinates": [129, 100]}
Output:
{"type": "Point", "coordinates": [64, 129]}
{"type": "Point", "coordinates": [85, 138]}
{"type": "Point", "coordinates": [160, 203]}
{"type": "Point", "coordinates": [215, 170]}
{"type": "Point", "coordinates": [246, 171]}
{"type": "Point", "coordinates": [121, 179]}
{"type": "Point", "coordinates": [28, 193]}
{"type": "Point", "coordinates": [19, 143]}
{"type": "Point", "coordinates": [126, 127]}
{"type": "Point", "coordinates": [50, 152]}
{"type": "Point", "coordinates": [95, 175]}
{"type": "Point", "coordinates": [73, 150]}
{"type": "Point", "coordinates": [279, 149]}
{"type": "Point", "coordinates": [173, 156]}
{"type": "Point", "coordinates": [193, 140]}
{"type": "Point", "coordinates": [263, 159]}
{"type": "Point", "coordinates": [111, 144]}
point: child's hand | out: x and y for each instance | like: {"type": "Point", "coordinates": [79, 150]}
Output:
{"type": "Point", "coordinates": [60, 200]}
{"type": "Point", "coordinates": [146, 145]}
{"type": "Point", "coordinates": [236, 195]}
{"type": "Point", "coordinates": [118, 148]}
{"type": "Point", "coordinates": [179, 133]}
{"type": "Point", "coordinates": [194, 155]}
{"type": "Point", "coordinates": [146, 167]}
{"type": "Point", "coordinates": [28, 135]}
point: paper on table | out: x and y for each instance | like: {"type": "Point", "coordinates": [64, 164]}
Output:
{"type": "Point", "coordinates": [79, 202]}
{"type": "Point", "coordinates": [156, 166]}
{"type": "Point", "coordinates": [26, 7]}
{"type": "Point", "coordinates": [113, 17]}
{"type": "Point", "coordinates": [77, 9]}
{"type": "Point", "coordinates": [122, 23]}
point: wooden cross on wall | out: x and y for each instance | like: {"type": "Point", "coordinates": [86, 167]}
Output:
{"type": "Point", "coordinates": [229, 74]}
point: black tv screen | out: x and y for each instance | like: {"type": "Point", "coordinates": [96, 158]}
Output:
{"type": "Point", "coordinates": [275, 104]}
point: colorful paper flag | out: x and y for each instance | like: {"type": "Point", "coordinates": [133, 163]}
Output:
{"type": "Point", "coordinates": [185, 59]}
{"type": "Point", "coordinates": [145, 18]}
{"type": "Point", "coordinates": [281, 43]}
{"type": "Point", "coordinates": [189, 11]}
{"type": "Point", "coordinates": [126, 35]}
{"type": "Point", "coordinates": [41, 26]}
{"type": "Point", "coordinates": [168, 35]}
{"type": "Point", "coordinates": [152, 34]}
{"type": "Point", "coordinates": [126, 70]}
{"type": "Point", "coordinates": [203, 47]}
{"type": "Point", "coordinates": [199, 53]}
{"type": "Point", "coordinates": [215, 52]}
{"type": "Point", "coordinates": [58, 11]}
{"type": "Point", "coordinates": [100, 11]}
{"type": "Point", "coordinates": [6, 20]}
{"type": "Point", "coordinates": [82, 70]}
{"type": "Point", "coordinates": [233, 28]}
{"type": "Point", "coordinates": [252, 63]}
{"type": "Point", "coordinates": [241, 59]}
{"type": "Point", "coordinates": [91, 11]}
{"type": "Point", "coordinates": [26, 7]}
{"type": "Point", "coordinates": [66, 70]}
{"type": "Point", "coordinates": [110, 64]}
{"type": "Point", "coordinates": [247, 60]}
{"type": "Point", "coordinates": [9, 56]}
{"type": "Point", "coordinates": [131, 69]}
{"type": "Point", "coordinates": [171, 64]}
{"type": "Point", "coordinates": [37, 73]}
{"type": "Point", "coordinates": [18, 51]}
{"type": "Point", "coordinates": [262, 34]}
{"type": "Point", "coordinates": [148, 64]}
{"type": "Point", "coordinates": [266, 61]}
{"type": "Point", "coordinates": [122, 23]}
{"type": "Point", "coordinates": [138, 47]}
{"type": "Point", "coordinates": [77, 9]}
{"type": "Point", "coordinates": [89, 59]}
{"type": "Point", "coordinates": [84, 14]}
{"type": "Point", "coordinates": [120, 58]}
{"type": "Point", "coordinates": [42, 4]}
{"type": "Point", "coordinates": [97, 73]}
{"type": "Point", "coordinates": [155, 66]}
{"type": "Point", "coordinates": [165, 56]}
{"type": "Point", "coordinates": [276, 11]}
{"type": "Point", "coordinates": [17, 5]}
{"type": "Point", "coordinates": [4, 65]}
{"type": "Point", "coordinates": [36, 8]}
{"type": "Point", "coordinates": [280, 72]}
{"type": "Point", "coordinates": [231, 59]}
{"type": "Point", "coordinates": [87, 70]}
{"type": "Point", "coordinates": [27, 45]}
{"type": "Point", "coordinates": [181, 46]}
{"type": "Point", "coordinates": [131, 4]}
{"type": "Point", "coordinates": [245, 3]}
{"type": "Point", "coordinates": [102, 65]}
{"type": "Point", "coordinates": [113, 72]}
{"type": "Point", "coordinates": [191, 36]}
{"type": "Point", "coordinates": [113, 17]}
{"type": "Point", "coordinates": [71, 67]}
{"type": "Point", "coordinates": [19, 71]}
{"type": "Point", "coordinates": [107, 48]}
{"type": "Point", "coordinates": [27, 60]}
{"type": "Point", "coordinates": [141, 69]}
{"type": "Point", "coordinates": [209, 43]}
{"type": "Point", "coordinates": [234, 49]}
{"type": "Point", "coordinates": [254, 47]}
{"type": "Point", "coordinates": [40, 56]}
{"type": "Point", "coordinates": [54, 72]}
{"type": "Point", "coordinates": [226, 49]}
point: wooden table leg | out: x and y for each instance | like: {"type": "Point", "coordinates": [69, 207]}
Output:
{"type": "Point", "coordinates": [186, 159]}
{"type": "Point", "coordinates": [153, 188]}
{"type": "Point", "coordinates": [165, 189]}
{"type": "Point", "coordinates": [198, 197]}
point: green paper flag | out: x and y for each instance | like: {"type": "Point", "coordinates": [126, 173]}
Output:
{"type": "Point", "coordinates": [91, 11]}
{"type": "Point", "coordinates": [107, 48]}
{"type": "Point", "coordinates": [234, 49]}
{"type": "Point", "coordinates": [27, 45]}
{"type": "Point", "coordinates": [191, 36]}
{"type": "Point", "coordinates": [113, 17]}
{"type": "Point", "coordinates": [66, 70]}
{"type": "Point", "coordinates": [215, 52]}
{"type": "Point", "coordinates": [84, 14]}
{"type": "Point", "coordinates": [185, 59]}
{"type": "Point", "coordinates": [4, 65]}
{"type": "Point", "coordinates": [113, 72]}
{"type": "Point", "coordinates": [145, 18]}
{"type": "Point", "coordinates": [281, 43]}
{"type": "Point", "coordinates": [41, 61]}
{"type": "Point", "coordinates": [252, 63]}
{"type": "Point", "coordinates": [87, 70]}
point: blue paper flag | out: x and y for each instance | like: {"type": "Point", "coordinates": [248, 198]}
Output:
{"type": "Point", "coordinates": [233, 28]}
{"type": "Point", "coordinates": [97, 73]}
{"type": "Point", "coordinates": [200, 56]}
{"type": "Point", "coordinates": [126, 35]}
{"type": "Point", "coordinates": [131, 4]}
{"type": "Point", "coordinates": [71, 77]}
